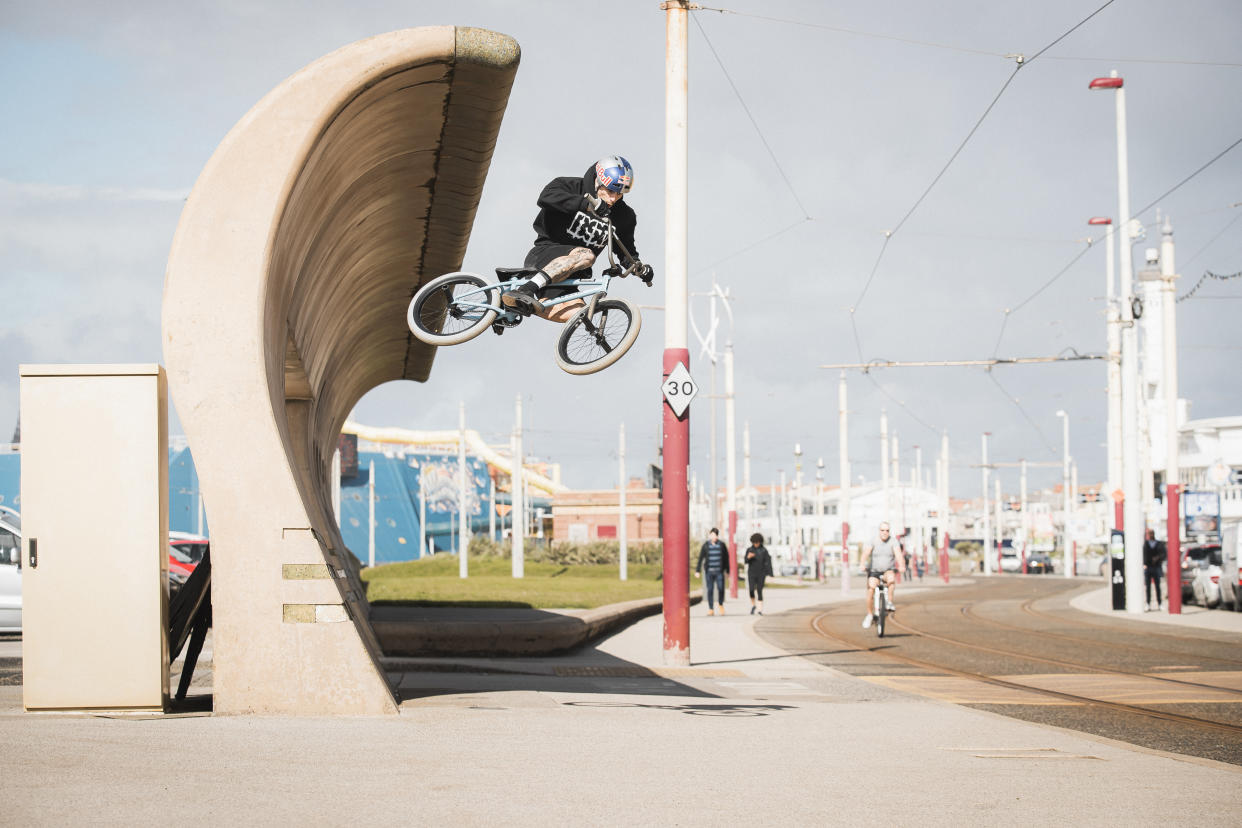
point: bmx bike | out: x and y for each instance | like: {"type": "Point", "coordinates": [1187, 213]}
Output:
{"type": "Point", "coordinates": [457, 307]}
{"type": "Point", "coordinates": [879, 608]}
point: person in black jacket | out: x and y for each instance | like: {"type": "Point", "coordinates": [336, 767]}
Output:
{"type": "Point", "coordinates": [758, 567]}
{"type": "Point", "coordinates": [1154, 554]}
{"type": "Point", "coordinates": [571, 230]}
{"type": "Point", "coordinates": [714, 566]}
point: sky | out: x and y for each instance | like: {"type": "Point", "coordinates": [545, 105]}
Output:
{"type": "Point", "coordinates": [815, 129]}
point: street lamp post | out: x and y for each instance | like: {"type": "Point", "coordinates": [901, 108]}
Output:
{"type": "Point", "coordinates": [797, 508]}
{"type": "Point", "coordinates": [1113, 312]}
{"type": "Point", "coordinates": [819, 519]}
{"type": "Point", "coordinates": [1130, 479]}
{"type": "Point", "coordinates": [1172, 452]}
{"type": "Point", "coordinates": [844, 472]}
{"type": "Point", "coordinates": [1065, 485]}
{"type": "Point", "coordinates": [987, 527]}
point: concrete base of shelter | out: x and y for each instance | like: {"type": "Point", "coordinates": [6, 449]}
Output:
{"type": "Point", "coordinates": [481, 631]}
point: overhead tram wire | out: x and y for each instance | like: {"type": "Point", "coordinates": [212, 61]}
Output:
{"type": "Point", "coordinates": [1136, 214]}
{"type": "Point", "coordinates": [806, 213]}
{"type": "Point", "coordinates": [1021, 62]}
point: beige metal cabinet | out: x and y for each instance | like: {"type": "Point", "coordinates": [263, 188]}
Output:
{"type": "Point", "coordinates": [95, 535]}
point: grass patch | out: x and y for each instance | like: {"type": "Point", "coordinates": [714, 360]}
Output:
{"type": "Point", "coordinates": [434, 582]}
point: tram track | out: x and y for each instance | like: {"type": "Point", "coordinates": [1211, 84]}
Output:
{"type": "Point", "coordinates": [1089, 701]}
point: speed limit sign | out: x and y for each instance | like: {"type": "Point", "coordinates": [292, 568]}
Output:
{"type": "Point", "coordinates": [679, 389]}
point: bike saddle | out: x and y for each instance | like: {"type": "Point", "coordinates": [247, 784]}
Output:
{"type": "Point", "coordinates": [507, 273]}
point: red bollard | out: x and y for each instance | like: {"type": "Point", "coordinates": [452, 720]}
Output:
{"type": "Point", "coordinates": [1174, 548]}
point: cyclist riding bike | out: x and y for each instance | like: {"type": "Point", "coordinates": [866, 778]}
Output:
{"type": "Point", "coordinates": [881, 560]}
{"type": "Point", "coordinates": [572, 229]}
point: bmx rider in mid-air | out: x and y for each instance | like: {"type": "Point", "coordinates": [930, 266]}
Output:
{"type": "Point", "coordinates": [572, 229]}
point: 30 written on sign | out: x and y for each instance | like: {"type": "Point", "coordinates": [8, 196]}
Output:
{"type": "Point", "coordinates": [679, 389]}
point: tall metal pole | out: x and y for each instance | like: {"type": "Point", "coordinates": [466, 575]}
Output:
{"type": "Point", "coordinates": [894, 477]}
{"type": "Point", "coordinates": [1172, 434]}
{"type": "Point", "coordinates": [1000, 529]}
{"type": "Point", "coordinates": [1132, 514]}
{"type": "Point", "coordinates": [887, 501]}
{"type": "Point", "coordinates": [517, 498]}
{"type": "Point", "coordinates": [748, 501]}
{"type": "Point", "coordinates": [843, 470]}
{"type": "Point", "coordinates": [463, 515]}
{"type": "Point", "coordinates": [987, 518]}
{"type": "Point", "coordinates": [819, 519]}
{"type": "Point", "coordinates": [1026, 515]}
{"type": "Point", "coordinates": [1113, 312]}
{"type": "Point", "coordinates": [917, 494]}
{"type": "Point", "coordinates": [714, 442]}
{"type": "Point", "coordinates": [1065, 499]}
{"type": "Point", "coordinates": [676, 434]}
{"type": "Point", "coordinates": [730, 469]}
{"type": "Point", "coordinates": [623, 521]}
{"type": "Point", "coordinates": [797, 509]}
{"type": "Point", "coordinates": [422, 512]}
{"type": "Point", "coordinates": [491, 507]}
{"type": "Point", "coordinates": [371, 514]}
{"type": "Point", "coordinates": [944, 505]}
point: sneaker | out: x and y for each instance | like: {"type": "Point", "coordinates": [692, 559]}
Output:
{"type": "Point", "coordinates": [523, 299]}
{"type": "Point", "coordinates": [711, 611]}
{"type": "Point", "coordinates": [752, 610]}
{"type": "Point", "coordinates": [720, 610]}
{"type": "Point", "coordinates": [867, 621]}
{"type": "Point", "coordinates": [889, 606]}
{"type": "Point", "coordinates": [761, 612]}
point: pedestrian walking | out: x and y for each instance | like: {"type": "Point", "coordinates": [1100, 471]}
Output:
{"type": "Point", "coordinates": [713, 565]}
{"type": "Point", "coordinates": [1154, 554]}
{"type": "Point", "coordinates": [758, 567]}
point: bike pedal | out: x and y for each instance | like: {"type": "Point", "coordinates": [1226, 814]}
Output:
{"type": "Point", "coordinates": [498, 329]}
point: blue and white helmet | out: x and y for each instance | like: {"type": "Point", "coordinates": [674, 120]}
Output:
{"type": "Point", "coordinates": [612, 172]}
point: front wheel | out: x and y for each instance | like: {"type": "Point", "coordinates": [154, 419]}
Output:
{"type": "Point", "coordinates": [452, 309]}
{"type": "Point", "coordinates": [881, 613]}
{"type": "Point", "coordinates": [596, 338]}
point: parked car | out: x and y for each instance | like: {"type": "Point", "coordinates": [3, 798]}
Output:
{"type": "Point", "coordinates": [1010, 562]}
{"type": "Point", "coordinates": [1201, 568]}
{"type": "Point", "coordinates": [1039, 563]}
{"type": "Point", "coordinates": [10, 570]}
{"type": "Point", "coordinates": [193, 547]}
{"type": "Point", "coordinates": [791, 570]}
{"type": "Point", "coordinates": [1231, 568]}
{"type": "Point", "coordinates": [179, 568]}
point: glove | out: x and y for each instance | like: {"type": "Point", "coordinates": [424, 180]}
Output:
{"type": "Point", "coordinates": [646, 274]}
{"type": "Point", "coordinates": [595, 205]}
{"type": "Point", "coordinates": [613, 271]}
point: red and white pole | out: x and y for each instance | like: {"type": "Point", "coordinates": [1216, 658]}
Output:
{"type": "Point", "coordinates": [676, 431]}
{"type": "Point", "coordinates": [730, 469]}
{"type": "Point", "coordinates": [843, 439]}
{"type": "Point", "coordinates": [1172, 452]}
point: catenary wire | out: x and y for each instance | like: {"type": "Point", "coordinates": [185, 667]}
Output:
{"type": "Point", "coordinates": [806, 213]}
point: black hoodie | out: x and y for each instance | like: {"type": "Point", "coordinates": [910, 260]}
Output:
{"type": "Point", "coordinates": [563, 217]}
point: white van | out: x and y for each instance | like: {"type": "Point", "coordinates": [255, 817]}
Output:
{"type": "Point", "coordinates": [10, 570]}
{"type": "Point", "coordinates": [1231, 567]}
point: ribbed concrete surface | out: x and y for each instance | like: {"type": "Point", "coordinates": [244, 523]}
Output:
{"type": "Point", "coordinates": [312, 225]}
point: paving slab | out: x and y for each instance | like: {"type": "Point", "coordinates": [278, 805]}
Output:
{"type": "Point", "coordinates": [608, 734]}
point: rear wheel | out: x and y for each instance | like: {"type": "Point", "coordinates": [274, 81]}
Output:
{"type": "Point", "coordinates": [452, 309]}
{"type": "Point", "coordinates": [596, 338]}
{"type": "Point", "coordinates": [881, 612]}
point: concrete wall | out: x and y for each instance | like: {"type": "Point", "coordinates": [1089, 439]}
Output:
{"type": "Point", "coordinates": [310, 228]}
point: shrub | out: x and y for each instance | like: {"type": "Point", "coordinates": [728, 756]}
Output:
{"type": "Point", "coordinates": [569, 553]}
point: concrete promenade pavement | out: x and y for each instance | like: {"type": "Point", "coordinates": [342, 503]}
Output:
{"type": "Point", "coordinates": [606, 735]}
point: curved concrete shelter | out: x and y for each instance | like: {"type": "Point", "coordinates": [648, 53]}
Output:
{"type": "Point", "coordinates": [315, 221]}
